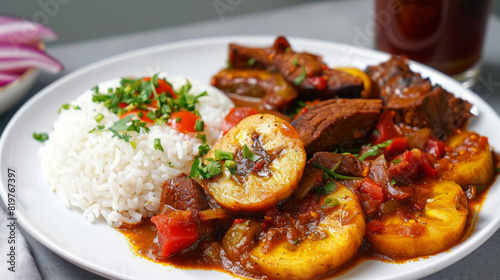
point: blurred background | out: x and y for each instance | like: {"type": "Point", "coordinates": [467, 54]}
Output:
{"type": "Point", "coordinates": [92, 19]}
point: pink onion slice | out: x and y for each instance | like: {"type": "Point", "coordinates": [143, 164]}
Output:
{"type": "Point", "coordinates": [7, 78]}
{"type": "Point", "coordinates": [18, 30]}
{"type": "Point", "coordinates": [17, 57]}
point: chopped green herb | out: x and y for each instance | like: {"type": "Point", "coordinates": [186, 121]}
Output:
{"type": "Point", "coordinates": [99, 127]}
{"type": "Point", "coordinates": [230, 163]}
{"type": "Point", "coordinates": [393, 182]}
{"type": "Point", "coordinates": [397, 161]}
{"type": "Point", "coordinates": [222, 155]}
{"type": "Point", "coordinates": [99, 117]}
{"type": "Point", "coordinates": [125, 136]}
{"type": "Point", "coordinates": [178, 119]}
{"type": "Point", "coordinates": [498, 169]}
{"type": "Point", "coordinates": [121, 125]}
{"type": "Point", "coordinates": [170, 164]}
{"type": "Point", "coordinates": [296, 241]}
{"type": "Point", "coordinates": [251, 62]}
{"type": "Point", "coordinates": [248, 154]}
{"type": "Point", "coordinates": [157, 144]}
{"type": "Point", "coordinates": [140, 114]}
{"type": "Point", "coordinates": [376, 133]}
{"type": "Point", "coordinates": [301, 77]}
{"type": "Point", "coordinates": [295, 62]}
{"type": "Point", "coordinates": [42, 137]}
{"type": "Point", "coordinates": [288, 49]}
{"type": "Point", "coordinates": [199, 126]}
{"type": "Point", "coordinates": [373, 151]}
{"type": "Point", "coordinates": [151, 115]}
{"type": "Point", "coordinates": [336, 176]}
{"type": "Point", "coordinates": [67, 107]}
{"type": "Point", "coordinates": [330, 202]}
{"type": "Point", "coordinates": [327, 189]}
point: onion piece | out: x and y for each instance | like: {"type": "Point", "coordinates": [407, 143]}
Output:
{"type": "Point", "coordinates": [7, 78]}
{"type": "Point", "coordinates": [16, 57]}
{"type": "Point", "coordinates": [22, 31]}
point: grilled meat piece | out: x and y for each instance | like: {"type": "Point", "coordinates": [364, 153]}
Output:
{"type": "Point", "coordinates": [334, 122]}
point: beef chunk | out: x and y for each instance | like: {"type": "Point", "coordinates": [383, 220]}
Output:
{"type": "Point", "coordinates": [335, 122]}
{"type": "Point", "coordinates": [318, 81]}
{"type": "Point", "coordinates": [182, 193]}
{"type": "Point", "coordinates": [304, 71]}
{"type": "Point", "coordinates": [241, 57]}
{"type": "Point", "coordinates": [415, 100]}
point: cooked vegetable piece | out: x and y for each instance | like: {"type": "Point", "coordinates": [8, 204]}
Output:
{"type": "Point", "coordinates": [433, 229]}
{"type": "Point", "coordinates": [469, 162]}
{"type": "Point", "coordinates": [258, 182]}
{"type": "Point", "coordinates": [255, 88]}
{"type": "Point", "coordinates": [176, 231]}
{"type": "Point", "coordinates": [341, 234]}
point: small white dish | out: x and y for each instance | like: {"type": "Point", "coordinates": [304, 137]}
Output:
{"type": "Point", "coordinates": [11, 93]}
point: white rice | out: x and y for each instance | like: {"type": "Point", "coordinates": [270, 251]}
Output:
{"type": "Point", "coordinates": [105, 176]}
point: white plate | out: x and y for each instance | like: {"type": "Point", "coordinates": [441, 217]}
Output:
{"type": "Point", "coordinates": [102, 249]}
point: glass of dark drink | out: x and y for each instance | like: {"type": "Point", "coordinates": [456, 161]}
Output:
{"type": "Point", "coordinates": [447, 35]}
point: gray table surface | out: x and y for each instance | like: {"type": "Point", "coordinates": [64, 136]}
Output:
{"type": "Point", "coordinates": [335, 21]}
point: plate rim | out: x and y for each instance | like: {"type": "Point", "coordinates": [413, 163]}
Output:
{"type": "Point", "coordinates": [459, 253]}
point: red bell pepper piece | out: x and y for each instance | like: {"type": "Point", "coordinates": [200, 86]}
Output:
{"type": "Point", "coordinates": [372, 189]}
{"type": "Point", "coordinates": [319, 82]}
{"type": "Point", "coordinates": [385, 128]}
{"type": "Point", "coordinates": [398, 145]}
{"type": "Point", "coordinates": [177, 230]}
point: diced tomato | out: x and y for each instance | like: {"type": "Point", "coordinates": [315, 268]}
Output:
{"type": "Point", "coordinates": [144, 117]}
{"type": "Point", "coordinates": [258, 165]}
{"type": "Point", "coordinates": [176, 231]}
{"type": "Point", "coordinates": [163, 86]}
{"type": "Point", "coordinates": [385, 128]}
{"type": "Point", "coordinates": [374, 227]}
{"type": "Point", "coordinates": [234, 117]}
{"type": "Point", "coordinates": [183, 121]}
{"type": "Point", "coordinates": [436, 148]}
{"type": "Point", "coordinates": [398, 145]}
{"type": "Point", "coordinates": [319, 82]}
{"type": "Point", "coordinates": [372, 189]}
{"type": "Point", "coordinates": [412, 164]}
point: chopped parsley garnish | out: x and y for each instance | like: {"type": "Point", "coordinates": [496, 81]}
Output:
{"type": "Point", "coordinates": [301, 77]}
{"type": "Point", "coordinates": [203, 149]}
{"type": "Point", "coordinates": [393, 182]}
{"type": "Point", "coordinates": [171, 164]}
{"type": "Point", "coordinates": [42, 137]}
{"type": "Point", "coordinates": [327, 189]}
{"type": "Point", "coordinates": [251, 62]}
{"type": "Point", "coordinates": [248, 154]}
{"type": "Point", "coordinates": [222, 155]}
{"type": "Point", "coordinates": [373, 151]}
{"type": "Point", "coordinates": [205, 170]}
{"type": "Point", "coordinates": [199, 126]}
{"type": "Point", "coordinates": [99, 117]}
{"type": "Point", "coordinates": [336, 176]}
{"type": "Point", "coordinates": [397, 161]}
{"type": "Point", "coordinates": [99, 127]}
{"type": "Point", "coordinates": [157, 144]}
{"type": "Point", "coordinates": [67, 107]}
{"type": "Point", "coordinates": [125, 136]}
{"type": "Point", "coordinates": [330, 202]}
{"type": "Point", "coordinates": [295, 62]}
